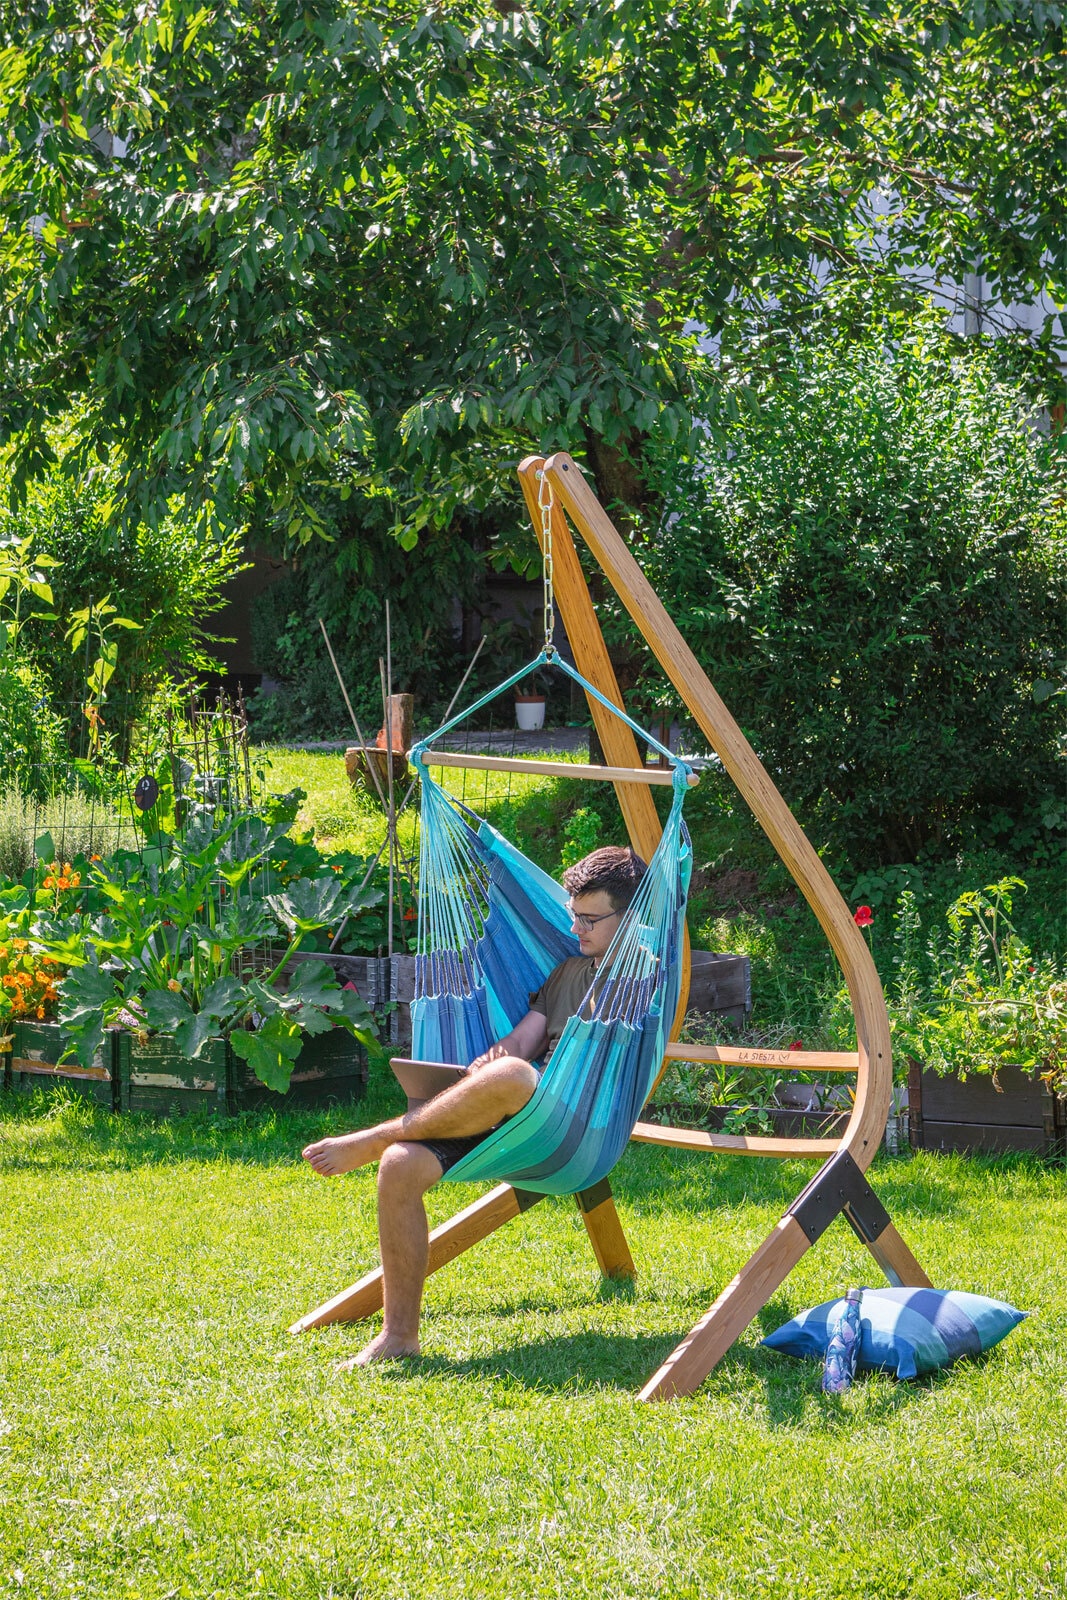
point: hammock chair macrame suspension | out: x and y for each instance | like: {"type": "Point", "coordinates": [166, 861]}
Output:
{"type": "Point", "coordinates": [554, 490]}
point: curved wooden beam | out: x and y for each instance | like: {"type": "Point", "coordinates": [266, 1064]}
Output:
{"type": "Point", "coordinates": [875, 1063]}
{"type": "Point", "coordinates": [688, 1365]}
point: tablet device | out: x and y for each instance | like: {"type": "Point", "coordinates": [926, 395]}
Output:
{"type": "Point", "coordinates": [421, 1080]}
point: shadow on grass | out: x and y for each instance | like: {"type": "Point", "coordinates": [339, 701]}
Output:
{"type": "Point", "coordinates": [590, 1362]}
{"type": "Point", "coordinates": [571, 1363]}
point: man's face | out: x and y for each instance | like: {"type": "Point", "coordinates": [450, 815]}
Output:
{"type": "Point", "coordinates": [594, 941]}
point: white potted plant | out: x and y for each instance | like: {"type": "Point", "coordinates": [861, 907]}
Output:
{"type": "Point", "coordinates": [529, 706]}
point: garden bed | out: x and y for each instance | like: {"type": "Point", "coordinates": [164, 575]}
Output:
{"type": "Point", "coordinates": [785, 1122]}
{"type": "Point", "coordinates": [1013, 1112]}
{"type": "Point", "coordinates": [150, 1074]}
{"type": "Point", "coordinates": [35, 1064]}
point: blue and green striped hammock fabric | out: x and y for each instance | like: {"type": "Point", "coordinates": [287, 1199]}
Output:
{"type": "Point", "coordinates": [492, 926]}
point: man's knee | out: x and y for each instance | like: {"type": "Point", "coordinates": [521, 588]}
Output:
{"type": "Point", "coordinates": [515, 1078]}
{"type": "Point", "coordinates": [407, 1168]}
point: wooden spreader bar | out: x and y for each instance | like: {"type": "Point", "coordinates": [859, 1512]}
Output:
{"type": "Point", "coordinates": [553, 769]}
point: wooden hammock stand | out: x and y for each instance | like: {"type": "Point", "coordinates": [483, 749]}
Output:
{"type": "Point", "coordinates": [839, 1188]}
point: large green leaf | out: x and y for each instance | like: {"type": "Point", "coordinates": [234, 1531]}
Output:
{"type": "Point", "coordinates": [88, 996]}
{"type": "Point", "coordinates": [270, 1051]}
{"type": "Point", "coordinates": [315, 984]}
{"type": "Point", "coordinates": [309, 903]}
{"type": "Point", "coordinates": [166, 1012]}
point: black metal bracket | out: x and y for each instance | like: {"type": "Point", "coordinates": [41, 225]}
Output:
{"type": "Point", "coordinates": [840, 1189]}
{"type": "Point", "coordinates": [589, 1199]}
{"type": "Point", "coordinates": [526, 1198]}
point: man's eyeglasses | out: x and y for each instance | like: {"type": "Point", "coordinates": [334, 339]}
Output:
{"type": "Point", "coordinates": [587, 924]}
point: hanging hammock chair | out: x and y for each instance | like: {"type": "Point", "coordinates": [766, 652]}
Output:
{"type": "Point", "coordinates": [492, 926]}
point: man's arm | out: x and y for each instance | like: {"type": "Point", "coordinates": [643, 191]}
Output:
{"type": "Point", "coordinates": [527, 1040]}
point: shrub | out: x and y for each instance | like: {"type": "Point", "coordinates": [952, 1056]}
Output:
{"type": "Point", "coordinates": [871, 572]}
{"type": "Point", "coordinates": [166, 579]}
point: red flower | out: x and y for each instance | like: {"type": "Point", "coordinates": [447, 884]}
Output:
{"type": "Point", "coordinates": [798, 1044]}
{"type": "Point", "coordinates": [863, 916]}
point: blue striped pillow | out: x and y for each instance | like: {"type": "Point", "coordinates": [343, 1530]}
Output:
{"type": "Point", "coordinates": [905, 1331]}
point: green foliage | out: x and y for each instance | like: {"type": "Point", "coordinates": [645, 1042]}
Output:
{"type": "Point", "coordinates": [993, 1002]}
{"type": "Point", "coordinates": [155, 941]}
{"type": "Point", "coordinates": [873, 573]}
{"type": "Point", "coordinates": [581, 834]}
{"type": "Point", "coordinates": [32, 736]}
{"type": "Point", "coordinates": [158, 585]}
{"type": "Point", "coordinates": [346, 582]}
{"type": "Point", "coordinates": [390, 248]}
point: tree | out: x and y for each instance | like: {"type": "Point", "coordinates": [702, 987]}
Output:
{"type": "Point", "coordinates": [271, 245]}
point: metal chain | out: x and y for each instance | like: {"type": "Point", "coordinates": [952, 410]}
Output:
{"type": "Point", "coordinates": [545, 502]}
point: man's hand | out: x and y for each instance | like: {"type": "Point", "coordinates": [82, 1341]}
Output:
{"type": "Point", "coordinates": [526, 1040]}
{"type": "Point", "coordinates": [494, 1053]}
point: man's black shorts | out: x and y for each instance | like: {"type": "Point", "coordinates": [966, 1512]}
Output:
{"type": "Point", "coordinates": [449, 1151]}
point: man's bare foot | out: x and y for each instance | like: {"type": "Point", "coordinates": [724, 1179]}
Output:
{"type": "Point", "coordinates": [331, 1157]}
{"type": "Point", "coordinates": [384, 1348]}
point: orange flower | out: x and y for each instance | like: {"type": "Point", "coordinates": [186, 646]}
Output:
{"type": "Point", "coordinates": [20, 944]}
{"type": "Point", "coordinates": [40, 1013]}
{"type": "Point", "coordinates": [10, 981]}
{"type": "Point", "coordinates": [173, 984]}
{"type": "Point", "coordinates": [23, 980]}
{"type": "Point", "coordinates": [95, 858]}
{"type": "Point", "coordinates": [18, 1004]}
{"type": "Point", "coordinates": [50, 961]}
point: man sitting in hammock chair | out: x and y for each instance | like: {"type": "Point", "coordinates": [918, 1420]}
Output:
{"type": "Point", "coordinates": [414, 1151]}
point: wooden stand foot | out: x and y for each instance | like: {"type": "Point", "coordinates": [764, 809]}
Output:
{"type": "Point", "coordinates": [475, 1222]}
{"type": "Point", "coordinates": [602, 1224]}
{"type": "Point", "coordinates": [686, 1367]}
{"type": "Point", "coordinates": [897, 1261]}
{"type": "Point", "coordinates": [838, 1189]}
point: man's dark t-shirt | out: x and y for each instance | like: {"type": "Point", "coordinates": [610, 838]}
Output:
{"type": "Point", "coordinates": [560, 996]}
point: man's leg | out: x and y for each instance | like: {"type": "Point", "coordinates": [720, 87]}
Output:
{"type": "Point", "coordinates": [474, 1105]}
{"type": "Point", "coordinates": [404, 1175]}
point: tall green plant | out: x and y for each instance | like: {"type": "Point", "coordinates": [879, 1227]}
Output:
{"type": "Point", "coordinates": [874, 572]}
{"type": "Point", "coordinates": [160, 586]}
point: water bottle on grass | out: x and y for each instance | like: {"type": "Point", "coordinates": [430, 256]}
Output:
{"type": "Point", "coordinates": [842, 1346]}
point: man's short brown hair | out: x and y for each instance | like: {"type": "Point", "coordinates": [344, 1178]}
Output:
{"type": "Point", "coordinates": [615, 869]}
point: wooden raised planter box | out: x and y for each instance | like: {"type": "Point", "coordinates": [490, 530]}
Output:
{"type": "Point", "coordinates": [975, 1116]}
{"type": "Point", "coordinates": [35, 1064]}
{"type": "Point", "coordinates": [155, 1077]}
{"type": "Point", "coordinates": [331, 1068]}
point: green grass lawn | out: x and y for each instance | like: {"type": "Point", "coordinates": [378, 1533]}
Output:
{"type": "Point", "coordinates": [161, 1435]}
